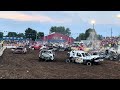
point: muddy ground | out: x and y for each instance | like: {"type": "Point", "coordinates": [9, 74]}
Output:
{"type": "Point", "coordinates": [27, 66]}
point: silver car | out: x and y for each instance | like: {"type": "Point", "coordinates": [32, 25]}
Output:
{"type": "Point", "coordinates": [21, 50]}
{"type": "Point", "coordinates": [46, 55]}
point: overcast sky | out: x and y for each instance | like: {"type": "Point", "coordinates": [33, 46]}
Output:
{"type": "Point", "coordinates": [77, 21]}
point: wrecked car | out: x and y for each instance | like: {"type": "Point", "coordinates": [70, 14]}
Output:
{"type": "Point", "coordinates": [46, 55]}
{"type": "Point", "coordinates": [83, 58]}
{"type": "Point", "coordinates": [111, 56]}
{"type": "Point", "coordinates": [21, 50]}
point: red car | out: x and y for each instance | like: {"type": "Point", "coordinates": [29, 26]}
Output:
{"type": "Point", "coordinates": [36, 46]}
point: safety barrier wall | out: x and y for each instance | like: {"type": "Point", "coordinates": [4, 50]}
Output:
{"type": "Point", "coordinates": [0, 45]}
{"type": "Point", "coordinates": [2, 48]}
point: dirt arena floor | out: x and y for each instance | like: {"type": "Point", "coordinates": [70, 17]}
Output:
{"type": "Point", "coordinates": [28, 66]}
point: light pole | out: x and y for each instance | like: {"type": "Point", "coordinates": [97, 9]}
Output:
{"type": "Point", "coordinates": [93, 22]}
{"type": "Point", "coordinates": [111, 32]}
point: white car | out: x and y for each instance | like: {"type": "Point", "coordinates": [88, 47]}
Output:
{"type": "Point", "coordinates": [95, 55]}
{"type": "Point", "coordinates": [83, 57]}
{"type": "Point", "coordinates": [46, 55]}
{"type": "Point", "coordinates": [19, 50]}
{"type": "Point", "coordinates": [43, 47]}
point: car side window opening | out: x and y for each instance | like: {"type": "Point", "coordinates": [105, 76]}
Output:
{"type": "Point", "coordinates": [73, 53]}
{"type": "Point", "coordinates": [42, 51]}
{"type": "Point", "coordinates": [83, 54]}
{"type": "Point", "coordinates": [95, 53]}
{"type": "Point", "coordinates": [50, 52]}
{"type": "Point", "coordinates": [19, 48]}
{"type": "Point", "coordinates": [47, 52]}
{"type": "Point", "coordinates": [86, 54]}
{"type": "Point", "coordinates": [78, 54]}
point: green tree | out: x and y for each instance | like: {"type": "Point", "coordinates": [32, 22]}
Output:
{"type": "Point", "coordinates": [21, 35]}
{"type": "Point", "coordinates": [81, 37]}
{"type": "Point", "coordinates": [40, 35]}
{"type": "Point", "coordinates": [87, 32]}
{"type": "Point", "coordinates": [30, 33]}
{"type": "Point", "coordinates": [53, 29]}
{"type": "Point", "coordinates": [60, 29]}
{"type": "Point", "coordinates": [1, 34]}
{"type": "Point", "coordinates": [100, 37]}
{"type": "Point", "coordinates": [84, 36]}
{"type": "Point", "coordinates": [67, 32]}
{"type": "Point", "coordinates": [12, 34]}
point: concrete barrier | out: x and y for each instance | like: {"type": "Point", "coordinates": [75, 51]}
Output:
{"type": "Point", "coordinates": [2, 50]}
{"type": "Point", "coordinates": [10, 46]}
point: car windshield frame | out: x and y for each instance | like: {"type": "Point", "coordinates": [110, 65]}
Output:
{"type": "Point", "coordinates": [87, 54]}
{"type": "Point", "coordinates": [50, 52]}
{"type": "Point", "coordinates": [19, 48]}
{"type": "Point", "coordinates": [95, 53]}
{"type": "Point", "coordinates": [83, 54]}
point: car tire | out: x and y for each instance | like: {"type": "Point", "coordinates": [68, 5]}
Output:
{"type": "Point", "coordinates": [111, 58]}
{"type": "Point", "coordinates": [40, 59]}
{"type": "Point", "coordinates": [24, 52]}
{"type": "Point", "coordinates": [54, 60]}
{"type": "Point", "coordinates": [67, 60]}
{"type": "Point", "coordinates": [89, 63]}
{"type": "Point", "coordinates": [46, 60]}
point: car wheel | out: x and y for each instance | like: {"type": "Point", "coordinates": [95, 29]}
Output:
{"type": "Point", "coordinates": [40, 59]}
{"type": "Point", "coordinates": [73, 60]}
{"type": "Point", "coordinates": [89, 63]}
{"type": "Point", "coordinates": [46, 60]}
{"type": "Point", "coordinates": [54, 60]}
{"type": "Point", "coordinates": [111, 58]}
{"type": "Point", "coordinates": [67, 60]}
{"type": "Point", "coordinates": [24, 52]}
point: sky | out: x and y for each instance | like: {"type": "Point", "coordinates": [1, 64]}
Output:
{"type": "Point", "coordinates": [76, 21]}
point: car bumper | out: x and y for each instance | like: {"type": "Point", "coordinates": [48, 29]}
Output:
{"type": "Point", "coordinates": [99, 60]}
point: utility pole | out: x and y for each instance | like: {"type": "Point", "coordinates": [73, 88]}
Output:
{"type": "Point", "coordinates": [111, 32]}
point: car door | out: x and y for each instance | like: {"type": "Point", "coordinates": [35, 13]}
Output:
{"type": "Point", "coordinates": [79, 58]}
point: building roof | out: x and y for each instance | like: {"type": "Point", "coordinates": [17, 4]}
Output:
{"type": "Point", "coordinates": [58, 38]}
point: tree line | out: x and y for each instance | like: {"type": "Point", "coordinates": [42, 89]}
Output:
{"type": "Point", "coordinates": [33, 34]}
{"type": "Point", "coordinates": [29, 33]}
